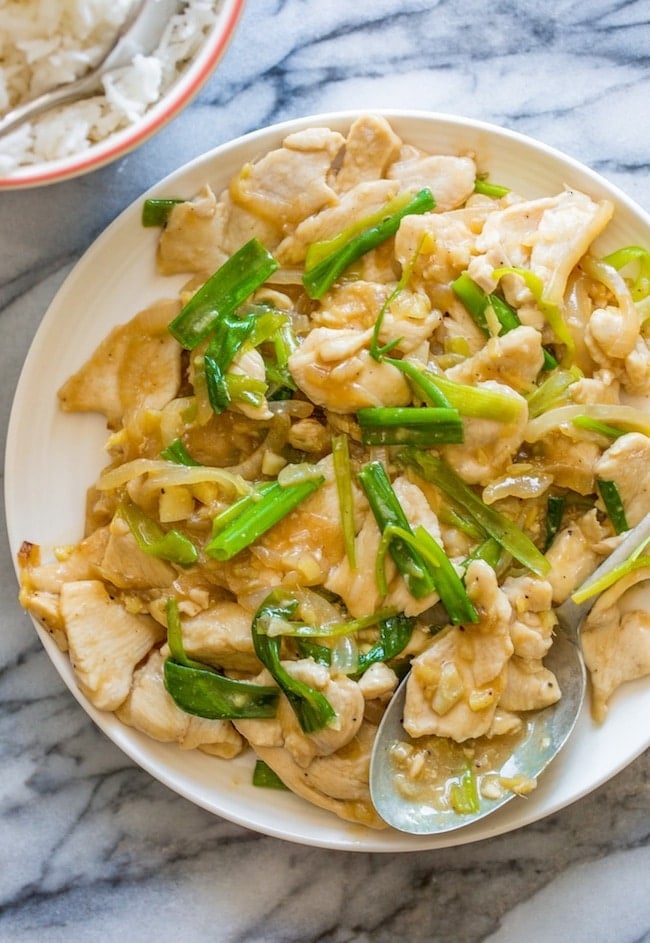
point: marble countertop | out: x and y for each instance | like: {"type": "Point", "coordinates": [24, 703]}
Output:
{"type": "Point", "coordinates": [93, 848]}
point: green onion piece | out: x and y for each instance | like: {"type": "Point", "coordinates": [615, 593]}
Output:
{"type": "Point", "coordinates": [200, 690]}
{"type": "Point", "coordinates": [318, 278]}
{"type": "Point", "coordinates": [389, 512]}
{"type": "Point", "coordinates": [553, 391]}
{"type": "Point", "coordinates": [475, 401]}
{"type": "Point", "coordinates": [266, 778]}
{"type": "Point", "coordinates": [483, 186]}
{"type": "Point", "coordinates": [257, 517]}
{"type": "Point", "coordinates": [609, 579]}
{"type": "Point", "coordinates": [640, 288]}
{"type": "Point", "coordinates": [307, 648]}
{"type": "Point", "coordinates": [326, 629]}
{"type": "Point", "coordinates": [421, 380]}
{"type": "Point", "coordinates": [477, 302]}
{"type": "Point", "coordinates": [613, 505]}
{"type": "Point", "coordinates": [206, 693]}
{"type": "Point", "coordinates": [177, 452]}
{"type": "Point", "coordinates": [168, 545]}
{"type": "Point", "coordinates": [448, 583]}
{"type": "Point", "coordinates": [463, 793]}
{"type": "Point", "coordinates": [549, 309]}
{"type": "Point", "coordinates": [409, 425]}
{"type": "Point", "coordinates": [229, 335]}
{"type": "Point", "coordinates": [156, 212]}
{"type": "Point", "coordinates": [594, 425]}
{"type": "Point", "coordinates": [245, 503]}
{"type": "Point", "coordinates": [394, 635]}
{"type": "Point", "coordinates": [223, 293]}
{"type": "Point", "coordinates": [311, 708]}
{"type": "Point", "coordinates": [244, 389]}
{"type": "Point", "coordinates": [555, 506]}
{"type": "Point", "coordinates": [343, 475]}
{"type": "Point", "coordinates": [512, 538]}
{"type": "Point", "coordinates": [489, 551]}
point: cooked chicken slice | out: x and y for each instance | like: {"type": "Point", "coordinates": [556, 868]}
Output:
{"type": "Point", "coordinates": [371, 145]}
{"type": "Point", "coordinates": [335, 370]}
{"type": "Point", "coordinates": [616, 639]}
{"type": "Point", "coordinates": [221, 636]}
{"type": "Point", "coordinates": [284, 729]}
{"type": "Point", "coordinates": [529, 685]}
{"type": "Point", "coordinates": [106, 641]}
{"type": "Point", "coordinates": [636, 376]}
{"type": "Point", "coordinates": [338, 782]}
{"type": "Point", "coordinates": [40, 583]}
{"type": "Point", "coordinates": [514, 358]}
{"type": "Point", "coordinates": [365, 200]}
{"type": "Point", "coordinates": [290, 183]}
{"type": "Point", "coordinates": [138, 366]}
{"type": "Point", "coordinates": [574, 554]}
{"type": "Point", "coordinates": [192, 238]}
{"type": "Point", "coordinates": [627, 462]}
{"type": "Point", "coordinates": [126, 566]}
{"type": "Point", "coordinates": [548, 236]}
{"type": "Point", "coordinates": [571, 461]}
{"type": "Point", "coordinates": [455, 685]}
{"type": "Point", "coordinates": [450, 179]}
{"type": "Point", "coordinates": [149, 708]}
{"type": "Point", "coordinates": [490, 445]}
{"type": "Point", "coordinates": [441, 243]}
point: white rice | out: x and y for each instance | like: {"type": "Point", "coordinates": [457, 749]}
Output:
{"type": "Point", "coordinates": [44, 43]}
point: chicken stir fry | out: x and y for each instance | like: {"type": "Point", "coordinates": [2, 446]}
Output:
{"type": "Point", "coordinates": [389, 389]}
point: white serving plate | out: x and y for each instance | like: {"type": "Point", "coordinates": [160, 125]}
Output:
{"type": "Point", "coordinates": [52, 458]}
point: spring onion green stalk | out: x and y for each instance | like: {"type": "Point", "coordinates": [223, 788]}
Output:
{"type": "Point", "coordinates": [505, 532]}
{"type": "Point", "coordinates": [389, 512]}
{"type": "Point", "coordinates": [229, 335]}
{"type": "Point", "coordinates": [463, 793]}
{"type": "Point", "coordinates": [553, 392]}
{"type": "Point", "coordinates": [256, 517]}
{"type": "Point", "coordinates": [477, 402]}
{"type": "Point", "coordinates": [223, 293]}
{"type": "Point", "coordinates": [638, 560]}
{"type": "Point", "coordinates": [409, 425]}
{"type": "Point", "coordinates": [613, 504]}
{"type": "Point", "coordinates": [550, 310]}
{"type": "Point", "coordinates": [483, 186]}
{"type": "Point", "coordinates": [266, 778]}
{"type": "Point", "coordinates": [600, 428]}
{"type": "Point", "coordinates": [312, 709]}
{"type": "Point", "coordinates": [294, 629]}
{"type": "Point", "coordinates": [241, 388]}
{"type": "Point", "coordinates": [447, 582]}
{"type": "Point", "coordinates": [489, 551]}
{"type": "Point", "coordinates": [555, 506]}
{"type": "Point", "coordinates": [200, 690]}
{"type": "Point", "coordinates": [320, 275]}
{"type": "Point", "coordinates": [177, 452]}
{"type": "Point", "coordinates": [168, 545]}
{"type": "Point", "coordinates": [640, 287]}
{"type": "Point", "coordinates": [343, 475]}
{"type": "Point", "coordinates": [420, 380]}
{"type": "Point", "coordinates": [477, 302]}
{"type": "Point", "coordinates": [156, 212]}
{"type": "Point", "coordinates": [394, 635]}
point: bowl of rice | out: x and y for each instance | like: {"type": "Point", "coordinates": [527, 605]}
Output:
{"type": "Point", "coordinates": [46, 43]}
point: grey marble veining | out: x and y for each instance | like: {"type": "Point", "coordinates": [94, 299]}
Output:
{"type": "Point", "coordinates": [94, 849]}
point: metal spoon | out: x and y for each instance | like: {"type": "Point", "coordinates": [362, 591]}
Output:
{"type": "Point", "coordinates": [141, 32]}
{"type": "Point", "coordinates": [547, 732]}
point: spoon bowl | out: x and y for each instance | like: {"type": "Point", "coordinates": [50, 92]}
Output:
{"type": "Point", "coordinates": [545, 733]}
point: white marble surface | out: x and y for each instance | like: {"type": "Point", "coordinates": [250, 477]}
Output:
{"type": "Point", "coordinates": [93, 849]}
